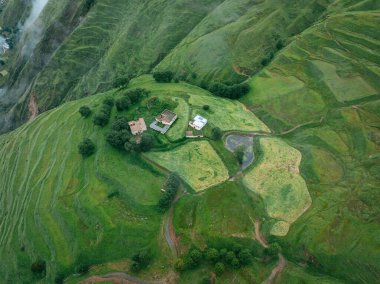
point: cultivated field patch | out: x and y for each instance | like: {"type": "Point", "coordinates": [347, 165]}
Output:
{"type": "Point", "coordinates": [196, 162]}
{"type": "Point", "coordinates": [346, 88]}
{"type": "Point", "coordinates": [226, 114]}
{"type": "Point", "coordinates": [277, 180]}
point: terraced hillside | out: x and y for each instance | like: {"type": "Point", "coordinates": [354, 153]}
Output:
{"type": "Point", "coordinates": [82, 47]}
{"type": "Point", "coordinates": [306, 209]}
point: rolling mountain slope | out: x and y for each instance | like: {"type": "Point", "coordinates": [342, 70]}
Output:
{"type": "Point", "coordinates": [314, 71]}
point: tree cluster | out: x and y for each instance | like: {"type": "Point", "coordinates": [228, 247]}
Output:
{"type": "Point", "coordinates": [130, 98]}
{"type": "Point", "coordinates": [121, 138]}
{"type": "Point", "coordinates": [171, 187]}
{"type": "Point", "coordinates": [102, 117]}
{"type": "Point", "coordinates": [163, 76]}
{"type": "Point", "coordinates": [141, 260]}
{"type": "Point", "coordinates": [86, 147]}
{"type": "Point", "coordinates": [216, 133]}
{"type": "Point", "coordinates": [235, 91]}
{"type": "Point", "coordinates": [233, 257]}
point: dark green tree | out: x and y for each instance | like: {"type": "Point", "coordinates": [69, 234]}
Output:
{"type": "Point", "coordinates": [216, 133]}
{"type": "Point", "coordinates": [86, 148]}
{"type": "Point", "coordinates": [123, 103]}
{"type": "Point", "coordinates": [239, 153]}
{"type": "Point", "coordinates": [118, 139]}
{"type": "Point", "coordinates": [38, 267]}
{"type": "Point", "coordinates": [212, 255]}
{"type": "Point", "coordinates": [147, 141]}
{"type": "Point", "coordinates": [163, 77]}
{"type": "Point", "coordinates": [109, 101]}
{"type": "Point", "coordinates": [245, 256]}
{"type": "Point", "coordinates": [120, 123]}
{"type": "Point", "coordinates": [85, 111]}
{"type": "Point", "coordinates": [101, 118]}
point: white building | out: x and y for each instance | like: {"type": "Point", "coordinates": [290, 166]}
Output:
{"type": "Point", "coordinates": [198, 122]}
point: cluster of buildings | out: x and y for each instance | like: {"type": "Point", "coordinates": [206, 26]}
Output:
{"type": "Point", "coordinates": [164, 121]}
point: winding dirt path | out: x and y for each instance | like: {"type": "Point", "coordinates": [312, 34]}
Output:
{"type": "Point", "coordinates": [259, 237]}
{"type": "Point", "coordinates": [116, 277]}
{"type": "Point", "coordinates": [275, 276]}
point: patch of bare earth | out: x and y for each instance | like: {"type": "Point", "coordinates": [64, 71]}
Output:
{"type": "Point", "coordinates": [33, 108]}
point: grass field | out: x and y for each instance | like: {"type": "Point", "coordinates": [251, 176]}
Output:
{"type": "Point", "coordinates": [196, 162]}
{"type": "Point", "coordinates": [277, 180]}
{"type": "Point", "coordinates": [226, 114]}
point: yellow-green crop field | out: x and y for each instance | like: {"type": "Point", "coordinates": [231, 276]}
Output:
{"type": "Point", "coordinates": [277, 180]}
{"type": "Point", "coordinates": [196, 162]}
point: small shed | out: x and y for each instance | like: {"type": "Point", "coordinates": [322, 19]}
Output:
{"type": "Point", "coordinates": [198, 122]}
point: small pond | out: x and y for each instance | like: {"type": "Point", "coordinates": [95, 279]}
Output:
{"type": "Point", "coordinates": [234, 141]}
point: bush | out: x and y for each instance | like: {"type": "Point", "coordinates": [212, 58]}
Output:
{"type": "Point", "coordinates": [141, 260]}
{"type": "Point", "coordinates": [85, 111]}
{"type": "Point", "coordinates": [179, 264]}
{"type": "Point", "coordinates": [206, 107]}
{"type": "Point", "coordinates": [219, 268]}
{"type": "Point", "coordinates": [86, 147]}
{"type": "Point", "coordinates": [59, 278]}
{"type": "Point", "coordinates": [83, 268]}
{"type": "Point", "coordinates": [38, 267]}
{"type": "Point", "coordinates": [230, 256]}
{"type": "Point", "coordinates": [123, 103]}
{"type": "Point", "coordinates": [216, 133]}
{"type": "Point", "coordinates": [118, 139]}
{"type": "Point", "coordinates": [163, 77]}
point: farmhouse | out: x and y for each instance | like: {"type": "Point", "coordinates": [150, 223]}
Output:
{"type": "Point", "coordinates": [166, 118]}
{"type": "Point", "coordinates": [198, 122]}
{"type": "Point", "coordinates": [137, 127]}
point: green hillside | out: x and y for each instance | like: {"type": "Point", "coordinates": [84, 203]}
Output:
{"type": "Point", "coordinates": [306, 209]}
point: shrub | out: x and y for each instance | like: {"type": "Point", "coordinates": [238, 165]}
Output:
{"type": "Point", "coordinates": [123, 103]}
{"type": "Point", "coordinates": [196, 255]}
{"type": "Point", "coordinates": [59, 278]}
{"type": "Point", "coordinates": [83, 268]}
{"type": "Point", "coordinates": [141, 260]}
{"type": "Point", "coordinates": [206, 107]}
{"type": "Point", "coordinates": [86, 147]}
{"type": "Point", "coordinates": [38, 267]}
{"type": "Point", "coordinates": [118, 139]}
{"type": "Point", "coordinates": [163, 77]}
{"type": "Point", "coordinates": [85, 111]}
{"type": "Point", "coordinates": [179, 264]}
{"type": "Point", "coordinates": [216, 133]}
{"type": "Point", "coordinates": [219, 268]}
